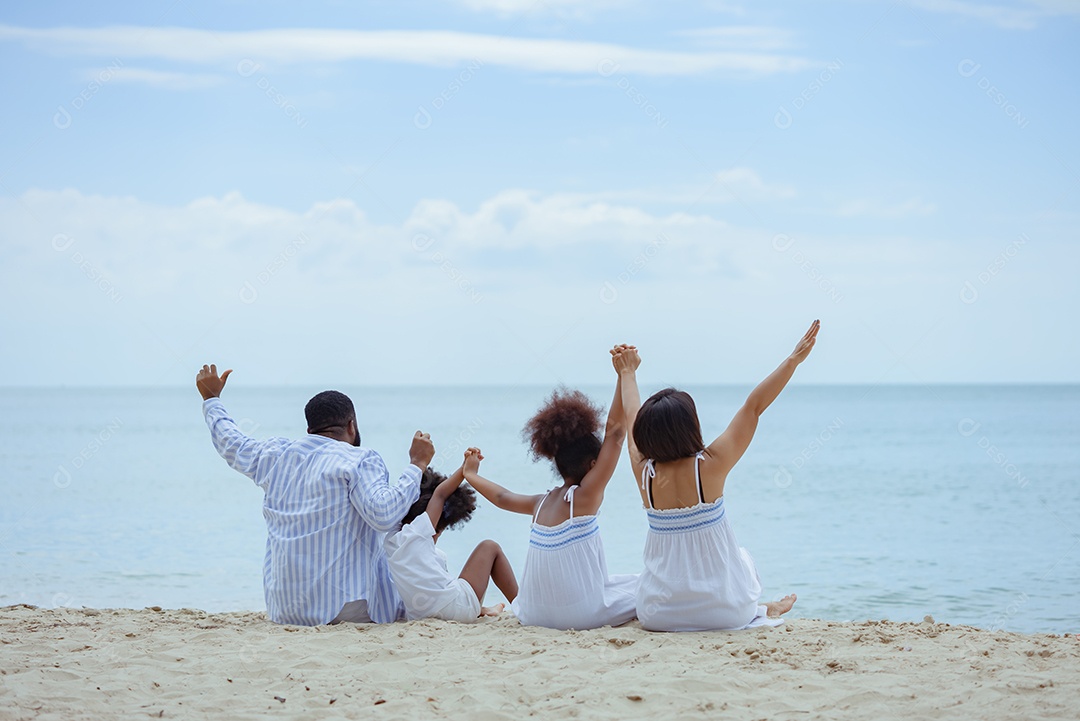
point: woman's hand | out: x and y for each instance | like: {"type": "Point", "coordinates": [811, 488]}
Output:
{"type": "Point", "coordinates": [625, 358]}
{"type": "Point", "coordinates": [802, 350]}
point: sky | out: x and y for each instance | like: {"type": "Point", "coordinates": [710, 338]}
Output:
{"type": "Point", "coordinates": [494, 192]}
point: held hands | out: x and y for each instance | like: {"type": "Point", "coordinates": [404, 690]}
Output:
{"type": "Point", "coordinates": [208, 382]}
{"type": "Point", "coordinates": [471, 464]}
{"type": "Point", "coordinates": [625, 358]}
{"type": "Point", "coordinates": [802, 350]}
{"type": "Point", "coordinates": [421, 451]}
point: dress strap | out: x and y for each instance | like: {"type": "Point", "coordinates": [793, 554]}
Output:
{"type": "Point", "coordinates": [648, 473]}
{"type": "Point", "coordinates": [536, 513]}
{"type": "Point", "coordinates": [697, 476]}
{"type": "Point", "coordinates": [569, 497]}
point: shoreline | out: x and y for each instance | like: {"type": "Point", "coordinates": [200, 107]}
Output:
{"type": "Point", "coordinates": [113, 663]}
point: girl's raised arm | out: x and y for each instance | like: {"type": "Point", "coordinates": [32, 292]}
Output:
{"type": "Point", "coordinates": [493, 492]}
{"type": "Point", "coordinates": [730, 446]}
{"type": "Point", "coordinates": [596, 480]}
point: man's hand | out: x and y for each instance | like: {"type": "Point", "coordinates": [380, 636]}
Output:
{"type": "Point", "coordinates": [208, 382]}
{"type": "Point", "coordinates": [422, 450]}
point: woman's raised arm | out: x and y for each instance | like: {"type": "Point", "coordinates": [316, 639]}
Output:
{"type": "Point", "coordinates": [626, 360]}
{"type": "Point", "coordinates": [730, 446]}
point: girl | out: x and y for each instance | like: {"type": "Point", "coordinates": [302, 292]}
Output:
{"type": "Point", "coordinates": [696, 577]}
{"type": "Point", "coordinates": [566, 583]}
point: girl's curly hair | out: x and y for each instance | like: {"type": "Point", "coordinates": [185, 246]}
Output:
{"type": "Point", "coordinates": [566, 430]}
{"type": "Point", "coordinates": [458, 508]}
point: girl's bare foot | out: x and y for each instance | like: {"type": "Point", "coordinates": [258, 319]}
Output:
{"type": "Point", "coordinates": [778, 608]}
{"type": "Point", "coordinates": [492, 610]}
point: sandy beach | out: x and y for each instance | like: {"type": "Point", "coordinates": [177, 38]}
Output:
{"type": "Point", "coordinates": [88, 663]}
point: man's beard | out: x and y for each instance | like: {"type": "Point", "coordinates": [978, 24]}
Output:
{"type": "Point", "coordinates": [356, 440]}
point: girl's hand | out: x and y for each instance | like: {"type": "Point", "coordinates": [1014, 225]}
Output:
{"type": "Point", "coordinates": [802, 350]}
{"type": "Point", "coordinates": [625, 358]}
{"type": "Point", "coordinates": [472, 461]}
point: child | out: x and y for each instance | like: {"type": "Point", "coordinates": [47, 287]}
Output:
{"type": "Point", "coordinates": [419, 569]}
{"type": "Point", "coordinates": [566, 583]}
{"type": "Point", "coordinates": [696, 577]}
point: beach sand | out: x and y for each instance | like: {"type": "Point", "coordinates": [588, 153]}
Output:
{"type": "Point", "coordinates": [87, 663]}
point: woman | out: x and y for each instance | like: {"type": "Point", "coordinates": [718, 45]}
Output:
{"type": "Point", "coordinates": [696, 576]}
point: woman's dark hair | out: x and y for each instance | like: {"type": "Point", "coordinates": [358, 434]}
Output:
{"type": "Point", "coordinates": [667, 426]}
{"type": "Point", "coordinates": [458, 508]}
{"type": "Point", "coordinates": [565, 430]}
{"type": "Point", "coordinates": [328, 409]}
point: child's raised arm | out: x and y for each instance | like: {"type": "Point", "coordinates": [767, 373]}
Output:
{"type": "Point", "coordinates": [442, 492]}
{"type": "Point", "coordinates": [730, 446]}
{"type": "Point", "coordinates": [493, 492]}
{"type": "Point", "coordinates": [595, 481]}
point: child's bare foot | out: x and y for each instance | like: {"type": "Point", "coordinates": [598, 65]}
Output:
{"type": "Point", "coordinates": [492, 610]}
{"type": "Point", "coordinates": [778, 608]}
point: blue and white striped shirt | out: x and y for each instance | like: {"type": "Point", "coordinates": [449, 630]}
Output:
{"type": "Point", "coordinates": [327, 506]}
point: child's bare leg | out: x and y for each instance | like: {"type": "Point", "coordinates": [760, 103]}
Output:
{"type": "Point", "coordinates": [492, 610]}
{"type": "Point", "coordinates": [778, 608]}
{"type": "Point", "coordinates": [503, 575]}
{"type": "Point", "coordinates": [488, 562]}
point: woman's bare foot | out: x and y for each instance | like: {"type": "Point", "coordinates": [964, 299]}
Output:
{"type": "Point", "coordinates": [492, 610]}
{"type": "Point", "coordinates": [779, 608]}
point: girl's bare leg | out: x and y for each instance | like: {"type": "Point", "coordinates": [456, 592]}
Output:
{"type": "Point", "coordinates": [488, 562]}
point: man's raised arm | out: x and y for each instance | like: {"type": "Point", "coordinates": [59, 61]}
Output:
{"type": "Point", "coordinates": [380, 504]}
{"type": "Point", "coordinates": [243, 453]}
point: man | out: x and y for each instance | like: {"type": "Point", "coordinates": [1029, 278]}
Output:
{"type": "Point", "coordinates": [327, 504]}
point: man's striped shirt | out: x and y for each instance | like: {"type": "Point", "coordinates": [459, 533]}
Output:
{"type": "Point", "coordinates": [327, 507]}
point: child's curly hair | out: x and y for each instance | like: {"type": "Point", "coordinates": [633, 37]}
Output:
{"type": "Point", "coordinates": [566, 431]}
{"type": "Point", "coordinates": [458, 508]}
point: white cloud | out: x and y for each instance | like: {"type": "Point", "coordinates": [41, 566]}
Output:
{"type": "Point", "coordinates": [524, 219]}
{"type": "Point", "coordinates": [742, 37]}
{"type": "Point", "coordinates": [745, 184]}
{"type": "Point", "coordinates": [154, 251]}
{"type": "Point", "coordinates": [432, 48]}
{"type": "Point", "coordinates": [525, 287]}
{"type": "Point", "coordinates": [1024, 17]}
{"type": "Point", "coordinates": [166, 282]}
{"type": "Point", "coordinates": [1058, 7]}
{"type": "Point", "coordinates": [158, 78]}
{"type": "Point", "coordinates": [559, 8]}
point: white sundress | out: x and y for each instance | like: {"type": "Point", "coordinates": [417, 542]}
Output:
{"type": "Point", "coordinates": [566, 583]}
{"type": "Point", "coordinates": [696, 577]}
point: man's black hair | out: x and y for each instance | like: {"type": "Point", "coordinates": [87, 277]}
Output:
{"type": "Point", "coordinates": [327, 410]}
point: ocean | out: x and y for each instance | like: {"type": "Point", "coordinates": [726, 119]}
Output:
{"type": "Point", "coordinates": [869, 502]}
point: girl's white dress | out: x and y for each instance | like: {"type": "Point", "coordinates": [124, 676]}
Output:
{"type": "Point", "coordinates": [696, 577]}
{"type": "Point", "coordinates": [566, 583]}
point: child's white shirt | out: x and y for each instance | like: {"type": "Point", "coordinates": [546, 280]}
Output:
{"type": "Point", "coordinates": [419, 569]}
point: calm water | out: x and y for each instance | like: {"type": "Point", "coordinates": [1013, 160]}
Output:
{"type": "Point", "coordinates": [869, 502]}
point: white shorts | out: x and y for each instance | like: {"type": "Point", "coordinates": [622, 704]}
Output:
{"type": "Point", "coordinates": [464, 608]}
